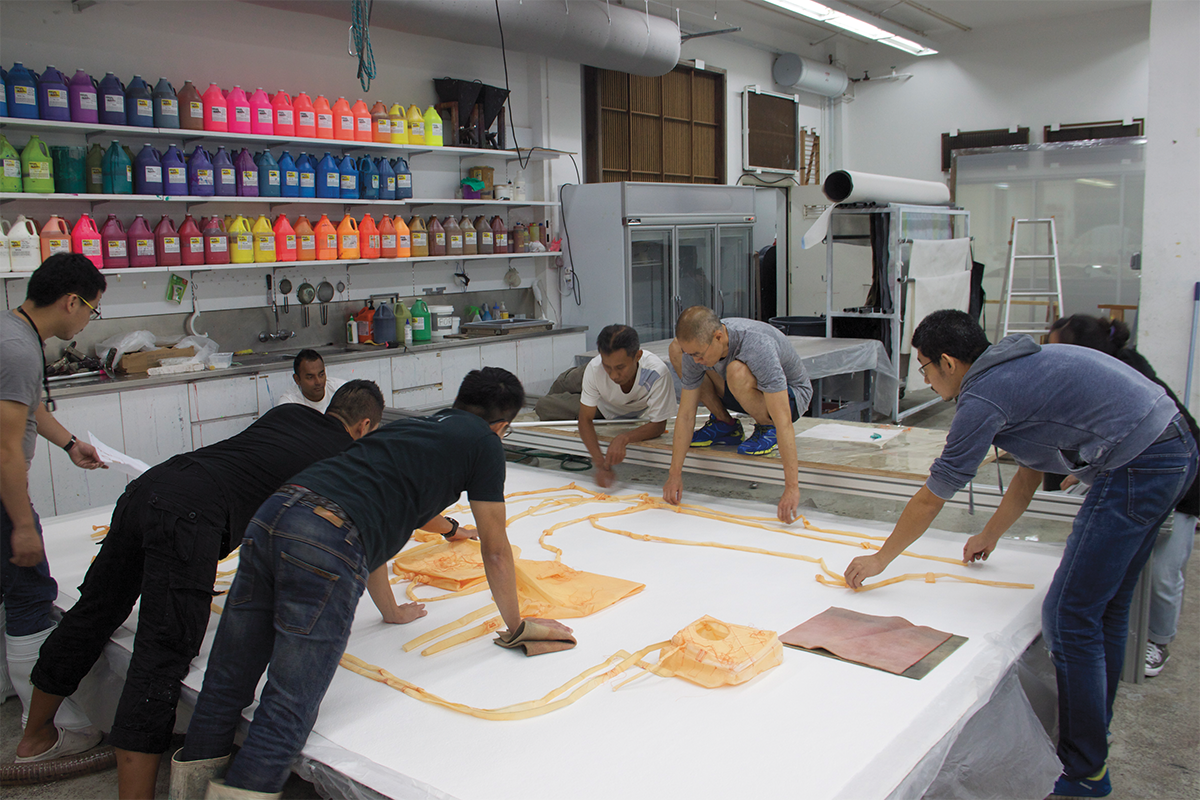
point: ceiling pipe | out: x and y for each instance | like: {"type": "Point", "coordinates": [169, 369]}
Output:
{"type": "Point", "coordinates": [589, 32]}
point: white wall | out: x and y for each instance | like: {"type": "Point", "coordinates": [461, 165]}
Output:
{"type": "Point", "coordinates": [1171, 250]}
{"type": "Point", "coordinates": [1084, 68]}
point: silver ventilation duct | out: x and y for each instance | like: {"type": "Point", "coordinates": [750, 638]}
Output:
{"type": "Point", "coordinates": [590, 32]}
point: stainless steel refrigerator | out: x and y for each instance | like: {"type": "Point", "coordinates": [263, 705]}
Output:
{"type": "Point", "coordinates": [640, 253]}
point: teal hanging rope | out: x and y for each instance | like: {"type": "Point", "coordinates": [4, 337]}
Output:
{"type": "Point", "coordinates": [361, 31]}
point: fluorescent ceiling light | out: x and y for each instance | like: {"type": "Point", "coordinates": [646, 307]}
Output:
{"type": "Point", "coordinates": [859, 27]}
{"type": "Point", "coordinates": [1098, 182]}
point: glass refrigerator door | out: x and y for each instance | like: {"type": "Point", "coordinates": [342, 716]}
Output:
{"type": "Point", "coordinates": [735, 284]}
{"type": "Point", "coordinates": [697, 267]}
{"type": "Point", "coordinates": [651, 293]}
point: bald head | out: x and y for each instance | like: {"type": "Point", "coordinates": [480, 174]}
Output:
{"type": "Point", "coordinates": [697, 325]}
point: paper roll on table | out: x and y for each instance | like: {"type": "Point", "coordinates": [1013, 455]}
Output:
{"type": "Point", "coordinates": [844, 186]}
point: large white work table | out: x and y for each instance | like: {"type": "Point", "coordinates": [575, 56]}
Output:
{"type": "Point", "coordinates": [812, 727]}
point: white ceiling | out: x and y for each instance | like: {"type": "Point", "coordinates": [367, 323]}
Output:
{"type": "Point", "coordinates": [772, 28]}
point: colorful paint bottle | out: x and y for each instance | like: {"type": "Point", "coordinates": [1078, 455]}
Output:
{"type": "Point", "coordinates": [225, 173]}
{"type": "Point", "coordinates": [420, 237]}
{"type": "Point", "coordinates": [174, 172]}
{"type": "Point", "coordinates": [10, 178]}
{"type": "Point", "coordinates": [262, 114]}
{"type": "Point", "coordinates": [343, 120]}
{"type": "Point", "coordinates": [37, 168]}
{"type": "Point", "coordinates": [362, 121]}
{"type": "Point", "coordinates": [284, 114]}
{"type": "Point", "coordinates": [381, 123]}
{"type": "Point", "coordinates": [114, 243]}
{"type": "Point", "coordinates": [329, 177]}
{"type": "Point", "coordinates": [437, 236]}
{"type": "Point", "coordinates": [24, 245]}
{"type": "Point", "coordinates": [216, 242]}
{"type": "Point", "coordinates": [289, 176]}
{"type": "Point", "coordinates": [368, 237]}
{"type": "Point", "coordinates": [416, 125]}
{"type": "Point", "coordinates": [200, 174]}
{"type": "Point", "coordinates": [349, 178]}
{"type": "Point", "coordinates": [285, 239]}
{"type": "Point", "coordinates": [387, 236]}
{"type": "Point", "coordinates": [264, 241]}
{"type": "Point", "coordinates": [53, 98]}
{"type": "Point", "coordinates": [305, 116]}
{"type": "Point", "coordinates": [85, 239]}
{"type": "Point", "coordinates": [387, 179]}
{"type": "Point", "coordinates": [454, 237]}
{"type": "Point", "coordinates": [327, 239]}
{"type": "Point", "coordinates": [239, 110]}
{"type": "Point", "coordinates": [139, 106]}
{"type": "Point", "coordinates": [368, 179]}
{"type": "Point", "coordinates": [55, 237]}
{"type": "Point", "coordinates": [21, 91]}
{"type": "Point", "coordinates": [147, 171]}
{"type": "Point", "coordinates": [396, 116]}
{"type": "Point", "coordinates": [167, 243]}
{"type": "Point", "coordinates": [433, 128]}
{"type": "Point", "coordinates": [141, 244]}
{"type": "Point", "coordinates": [470, 237]}
{"type": "Point", "coordinates": [324, 117]}
{"type": "Point", "coordinates": [216, 109]}
{"type": "Point", "coordinates": [83, 98]}
{"type": "Point", "coordinates": [404, 179]}
{"type": "Point", "coordinates": [307, 169]}
{"type": "Point", "coordinates": [269, 178]}
{"type": "Point", "coordinates": [191, 107]}
{"type": "Point", "coordinates": [94, 169]}
{"type": "Point", "coordinates": [241, 240]}
{"type": "Point", "coordinates": [483, 233]}
{"type": "Point", "coordinates": [247, 172]}
{"type": "Point", "coordinates": [191, 242]}
{"type": "Point", "coordinates": [306, 240]}
{"type": "Point", "coordinates": [166, 106]}
{"type": "Point", "coordinates": [404, 239]}
{"type": "Point", "coordinates": [347, 239]}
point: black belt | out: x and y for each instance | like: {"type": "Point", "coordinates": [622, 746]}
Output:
{"type": "Point", "coordinates": [1174, 430]}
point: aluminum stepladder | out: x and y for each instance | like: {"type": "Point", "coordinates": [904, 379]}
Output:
{"type": "Point", "coordinates": [1051, 295]}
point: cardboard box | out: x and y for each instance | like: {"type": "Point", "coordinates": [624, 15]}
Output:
{"type": "Point", "coordinates": [484, 174]}
{"type": "Point", "coordinates": [140, 362]}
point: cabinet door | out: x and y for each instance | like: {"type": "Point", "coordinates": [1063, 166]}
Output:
{"type": "Point", "coordinates": [503, 355]}
{"type": "Point", "coordinates": [269, 386]}
{"type": "Point", "coordinates": [566, 348]}
{"type": "Point", "coordinates": [696, 267]}
{"type": "Point", "coordinates": [156, 423]}
{"type": "Point", "coordinates": [535, 364]}
{"type": "Point", "coordinates": [377, 370]}
{"type": "Point", "coordinates": [734, 278]}
{"type": "Point", "coordinates": [456, 363]}
{"type": "Point", "coordinates": [219, 399]}
{"type": "Point", "coordinates": [217, 430]}
{"type": "Point", "coordinates": [422, 397]}
{"type": "Point", "coordinates": [416, 369]}
{"type": "Point", "coordinates": [652, 306]}
{"type": "Point", "coordinates": [76, 489]}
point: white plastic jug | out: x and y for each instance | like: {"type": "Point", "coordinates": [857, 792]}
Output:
{"type": "Point", "coordinates": [24, 246]}
{"type": "Point", "coordinates": [5, 260]}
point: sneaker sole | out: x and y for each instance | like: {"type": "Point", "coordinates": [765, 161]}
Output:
{"type": "Point", "coordinates": [711, 442]}
{"type": "Point", "coordinates": [1153, 672]}
{"type": "Point", "coordinates": [767, 452]}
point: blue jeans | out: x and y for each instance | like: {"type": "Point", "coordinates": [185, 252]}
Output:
{"type": "Point", "coordinates": [28, 593]}
{"type": "Point", "coordinates": [301, 572]}
{"type": "Point", "coordinates": [1085, 617]}
{"type": "Point", "coordinates": [1171, 553]}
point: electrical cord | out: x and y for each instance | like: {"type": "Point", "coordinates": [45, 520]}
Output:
{"type": "Point", "coordinates": [569, 268]}
{"type": "Point", "coordinates": [360, 15]}
{"type": "Point", "coordinates": [567, 461]}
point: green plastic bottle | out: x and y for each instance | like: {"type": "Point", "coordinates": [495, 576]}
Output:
{"type": "Point", "coordinates": [10, 180]}
{"type": "Point", "coordinates": [433, 127]}
{"type": "Point", "coordinates": [94, 175]}
{"type": "Point", "coordinates": [421, 327]}
{"type": "Point", "coordinates": [37, 169]}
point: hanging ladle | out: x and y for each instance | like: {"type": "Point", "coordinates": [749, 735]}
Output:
{"type": "Point", "coordinates": [285, 288]}
{"type": "Point", "coordinates": [305, 295]}
{"type": "Point", "coordinates": [324, 295]}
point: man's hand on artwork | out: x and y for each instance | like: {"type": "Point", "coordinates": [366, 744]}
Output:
{"type": "Point", "coordinates": [862, 568]}
{"type": "Point", "coordinates": [464, 532]}
{"type": "Point", "coordinates": [978, 548]}
{"type": "Point", "coordinates": [405, 613]}
{"type": "Point", "coordinates": [673, 490]}
{"type": "Point", "coordinates": [605, 477]}
{"type": "Point", "coordinates": [788, 504]}
{"type": "Point", "coordinates": [616, 450]}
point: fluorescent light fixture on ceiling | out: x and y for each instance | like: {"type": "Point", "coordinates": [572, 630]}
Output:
{"type": "Point", "coordinates": [1098, 182]}
{"type": "Point", "coordinates": [859, 27]}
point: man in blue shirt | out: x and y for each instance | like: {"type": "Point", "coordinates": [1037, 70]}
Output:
{"type": "Point", "coordinates": [1072, 411]}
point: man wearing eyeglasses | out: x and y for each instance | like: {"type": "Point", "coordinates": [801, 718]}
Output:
{"type": "Point", "coordinates": [62, 297]}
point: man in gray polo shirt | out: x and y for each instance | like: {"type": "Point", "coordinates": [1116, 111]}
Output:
{"type": "Point", "coordinates": [63, 296]}
{"type": "Point", "coordinates": [737, 365]}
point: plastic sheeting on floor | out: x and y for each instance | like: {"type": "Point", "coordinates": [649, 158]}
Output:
{"type": "Point", "coordinates": [811, 727]}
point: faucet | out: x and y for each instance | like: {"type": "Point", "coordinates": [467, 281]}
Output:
{"type": "Point", "coordinates": [279, 335]}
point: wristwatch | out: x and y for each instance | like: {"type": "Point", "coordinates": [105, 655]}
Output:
{"type": "Point", "coordinates": [453, 528]}
{"type": "Point", "coordinates": [67, 447]}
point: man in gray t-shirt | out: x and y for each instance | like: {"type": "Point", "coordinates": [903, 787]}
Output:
{"type": "Point", "coordinates": [62, 296]}
{"type": "Point", "coordinates": [737, 365]}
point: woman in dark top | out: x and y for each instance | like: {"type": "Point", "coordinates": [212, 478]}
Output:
{"type": "Point", "coordinates": [1175, 544]}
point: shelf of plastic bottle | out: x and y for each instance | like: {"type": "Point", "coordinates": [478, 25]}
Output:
{"type": "Point", "coordinates": [338, 262]}
{"type": "Point", "coordinates": [274, 201]}
{"type": "Point", "coordinates": [188, 135]}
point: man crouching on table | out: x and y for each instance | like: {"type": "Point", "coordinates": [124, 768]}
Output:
{"type": "Point", "coordinates": [1063, 409]}
{"type": "Point", "coordinates": [309, 553]}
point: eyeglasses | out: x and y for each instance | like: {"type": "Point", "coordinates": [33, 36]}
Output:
{"type": "Point", "coordinates": [924, 367]}
{"type": "Point", "coordinates": [507, 427]}
{"type": "Point", "coordinates": [95, 312]}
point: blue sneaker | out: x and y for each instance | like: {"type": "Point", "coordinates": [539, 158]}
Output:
{"type": "Point", "coordinates": [717, 432]}
{"type": "Point", "coordinates": [1096, 786]}
{"type": "Point", "coordinates": [761, 443]}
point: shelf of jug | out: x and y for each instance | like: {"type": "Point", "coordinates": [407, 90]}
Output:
{"type": "Point", "coordinates": [336, 262]}
{"type": "Point", "coordinates": [187, 136]}
{"type": "Point", "coordinates": [196, 200]}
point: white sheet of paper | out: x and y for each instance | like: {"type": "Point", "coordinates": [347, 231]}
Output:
{"type": "Point", "coordinates": [833, 432]}
{"type": "Point", "coordinates": [116, 459]}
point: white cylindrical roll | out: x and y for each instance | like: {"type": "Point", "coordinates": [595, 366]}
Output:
{"type": "Point", "coordinates": [844, 186]}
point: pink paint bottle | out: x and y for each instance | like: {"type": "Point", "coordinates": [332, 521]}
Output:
{"type": "Point", "coordinates": [141, 244]}
{"type": "Point", "coordinates": [262, 114]}
{"type": "Point", "coordinates": [239, 110]}
{"type": "Point", "coordinates": [216, 109]}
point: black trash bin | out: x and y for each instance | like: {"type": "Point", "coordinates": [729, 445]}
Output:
{"type": "Point", "coordinates": [800, 326]}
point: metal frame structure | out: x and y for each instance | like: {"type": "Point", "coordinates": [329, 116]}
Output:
{"type": "Point", "coordinates": [897, 272]}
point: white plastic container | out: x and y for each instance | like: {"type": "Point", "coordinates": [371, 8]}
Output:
{"type": "Point", "coordinates": [440, 321]}
{"type": "Point", "coordinates": [24, 246]}
{"type": "Point", "coordinates": [5, 260]}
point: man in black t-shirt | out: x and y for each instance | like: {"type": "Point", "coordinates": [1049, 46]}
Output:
{"type": "Point", "coordinates": [319, 543]}
{"type": "Point", "coordinates": [169, 529]}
